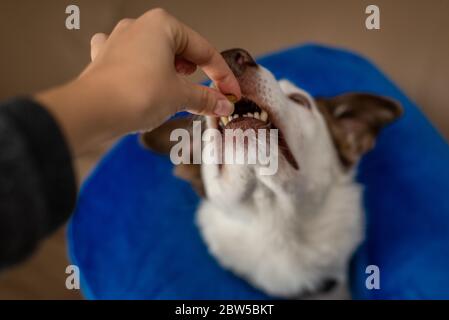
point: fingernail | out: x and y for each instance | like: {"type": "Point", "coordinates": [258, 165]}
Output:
{"type": "Point", "coordinates": [223, 108]}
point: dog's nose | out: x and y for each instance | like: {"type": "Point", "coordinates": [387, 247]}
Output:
{"type": "Point", "coordinates": [239, 60]}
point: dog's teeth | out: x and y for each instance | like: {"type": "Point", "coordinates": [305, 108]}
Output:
{"type": "Point", "coordinates": [250, 115]}
{"type": "Point", "coordinates": [264, 116]}
{"type": "Point", "coordinates": [236, 116]}
{"type": "Point", "coordinates": [256, 115]}
{"type": "Point", "coordinates": [230, 118]}
{"type": "Point", "coordinates": [245, 115]}
{"type": "Point", "coordinates": [224, 120]}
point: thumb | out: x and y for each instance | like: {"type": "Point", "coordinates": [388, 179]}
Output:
{"type": "Point", "coordinates": [207, 101]}
{"type": "Point", "coordinates": [96, 43]}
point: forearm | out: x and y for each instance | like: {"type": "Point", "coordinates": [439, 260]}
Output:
{"type": "Point", "coordinates": [84, 110]}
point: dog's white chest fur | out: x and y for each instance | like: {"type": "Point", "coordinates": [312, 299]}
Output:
{"type": "Point", "coordinates": [286, 252]}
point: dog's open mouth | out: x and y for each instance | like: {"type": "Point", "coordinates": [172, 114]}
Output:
{"type": "Point", "coordinates": [249, 115]}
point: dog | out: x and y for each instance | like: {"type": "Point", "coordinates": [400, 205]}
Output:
{"type": "Point", "coordinates": [292, 233]}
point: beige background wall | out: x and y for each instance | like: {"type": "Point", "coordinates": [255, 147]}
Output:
{"type": "Point", "coordinates": [37, 51]}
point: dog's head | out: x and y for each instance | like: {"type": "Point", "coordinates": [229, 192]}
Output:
{"type": "Point", "coordinates": [319, 140]}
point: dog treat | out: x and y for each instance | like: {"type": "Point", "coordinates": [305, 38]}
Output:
{"type": "Point", "coordinates": [231, 98]}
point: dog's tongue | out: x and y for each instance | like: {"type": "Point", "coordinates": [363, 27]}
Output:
{"type": "Point", "coordinates": [246, 123]}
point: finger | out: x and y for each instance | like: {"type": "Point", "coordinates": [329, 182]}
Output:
{"type": "Point", "coordinates": [184, 67]}
{"type": "Point", "coordinates": [203, 100]}
{"type": "Point", "coordinates": [122, 24]}
{"type": "Point", "coordinates": [194, 48]}
{"type": "Point", "coordinates": [96, 43]}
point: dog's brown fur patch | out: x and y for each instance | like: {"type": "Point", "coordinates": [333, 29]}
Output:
{"type": "Point", "coordinates": [354, 121]}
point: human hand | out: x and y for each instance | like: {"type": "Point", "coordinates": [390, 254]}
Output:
{"type": "Point", "coordinates": [137, 80]}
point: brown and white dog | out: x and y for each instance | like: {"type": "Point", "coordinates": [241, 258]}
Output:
{"type": "Point", "coordinates": [292, 232]}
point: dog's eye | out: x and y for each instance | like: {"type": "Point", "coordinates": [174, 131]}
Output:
{"type": "Point", "coordinates": [300, 99]}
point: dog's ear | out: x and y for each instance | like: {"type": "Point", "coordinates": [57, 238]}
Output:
{"type": "Point", "coordinates": [355, 120]}
{"type": "Point", "coordinates": [158, 140]}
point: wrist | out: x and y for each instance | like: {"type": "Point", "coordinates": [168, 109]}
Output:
{"type": "Point", "coordinates": [83, 110]}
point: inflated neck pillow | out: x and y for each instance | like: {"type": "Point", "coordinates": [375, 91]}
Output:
{"type": "Point", "coordinates": [133, 234]}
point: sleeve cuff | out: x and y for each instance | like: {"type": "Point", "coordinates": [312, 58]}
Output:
{"type": "Point", "coordinates": [50, 155]}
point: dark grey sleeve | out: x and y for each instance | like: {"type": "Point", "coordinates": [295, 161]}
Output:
{"type": "Point", "coordinates": [37, 182]}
